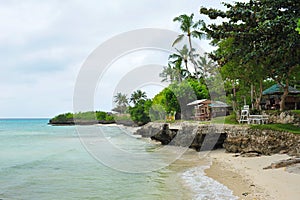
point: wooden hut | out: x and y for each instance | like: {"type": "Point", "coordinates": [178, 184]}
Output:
{"type": "Point", "coordinates": [272, 95]}
{"type": "Point", "coordinates": [205, 109]}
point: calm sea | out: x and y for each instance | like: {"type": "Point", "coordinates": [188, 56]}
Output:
{"type": "Point", "coordinates": [38, 161]}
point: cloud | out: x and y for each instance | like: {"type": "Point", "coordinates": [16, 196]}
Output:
{"type": "Point", "coordinates": [44, 43]}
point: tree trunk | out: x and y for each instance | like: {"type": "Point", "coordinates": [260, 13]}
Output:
{"type": "Point", "coordinates": [185, 64]}
{"type": "Point", "coordinates": [234, 98]}
{"type": "Point", "coordinates": [258, 97]}
{"type": "Point", "coordinates": [283, 96]}
{"type": "Point", "coordinates": [251, 95]}
{"type": "Point", "coordinates": [192, 57]}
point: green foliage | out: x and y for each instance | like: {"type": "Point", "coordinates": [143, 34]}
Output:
{"type": "Point", "coordinates": [122, 102]}
{"type": "Point", "coordinates": [137, 96]}
{"type": "Point", "coordinates": [86, 116]}
{"type": "Point", "coordinates": [298, 26]}
{"type": "Point", "coordinates": [176, 97]}
{"type": "Point", "coordinates": [230, 119]}
{"type": "Point", "coordinates": [140, 111]}
{"type": "Point", "coordinates": [257, 41]}
{"type": "Point", "coordinates": [122, 117]}
{"type": "Point", "coordinates": [90, 115]}
{"type": "Point", "coordinates": [297, 112]}
{"type": "Point", "coordinates": [63, 118]}
{"type": "Point", "coordinates": [157, 112]}
{"type": "Point", "coordinates": [278, 127]}
{"type": "Point", "coordinates": [103, 116]}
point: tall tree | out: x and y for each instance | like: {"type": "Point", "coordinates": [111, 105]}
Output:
{"type": "Point", "coordinates": [138, 95]}
{"type": "Point", "coordinates": [264, 35]}
{"type": "Point", "coordinates": [190, 28]}
{"type": "Point", "coordinates": [122, 102]}
{"type": "Point", "coordinates": [181, 55]}
{"type": "Point", "coordinates": [173, 73]}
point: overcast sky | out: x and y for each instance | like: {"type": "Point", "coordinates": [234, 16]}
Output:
{"type": "Point", "coordinates": [43, 45]}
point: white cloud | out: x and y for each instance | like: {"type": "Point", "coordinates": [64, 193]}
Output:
{"type": "Point", "coordinates": [44, 43]}
{"type": "Point", "coordinates": [20, 21]}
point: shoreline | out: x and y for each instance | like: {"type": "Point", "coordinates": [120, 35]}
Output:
{"type": "Point", "coordinates": [248, 180]}
{"type": "Point", "coordinates": [244, 176]}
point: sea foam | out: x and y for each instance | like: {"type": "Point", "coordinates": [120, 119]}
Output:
{"type": "Point", "coordinates": [206, 188]}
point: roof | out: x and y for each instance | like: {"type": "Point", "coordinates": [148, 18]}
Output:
{"type": "Point", "coordinates": [277, 89]}
{"type": "Point", "coordinates": [218, 104]}
{"type": "Point", "coordinates": [215, 104]}
{"type": "Point", "coordinates": [197, 102]}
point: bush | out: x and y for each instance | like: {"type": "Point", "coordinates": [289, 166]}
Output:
{"type": "Point", "coordinates": [140, 112]}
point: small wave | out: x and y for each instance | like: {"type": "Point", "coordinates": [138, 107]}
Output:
{"type": "Point", "coordinates": [205, 187]}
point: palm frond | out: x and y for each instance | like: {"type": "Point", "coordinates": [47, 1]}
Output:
{"type": "Point", "coordinates": [178, 39]}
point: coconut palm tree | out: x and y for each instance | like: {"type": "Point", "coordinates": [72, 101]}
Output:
{"type": "Point", "coordinates": [173, 73]}
{"type": "Point", "coordinates": [207, 67]}
{"type": "Point", "coordinates": [122, 102]}
{"type": "Point", "coordinates": [168, 74]}
{"type": "Point", "coordinates": [181, 55]}
{"type": "Point", "coordinates": [190, 28]}
{"type": "Point", "coordinates": [137, 96]}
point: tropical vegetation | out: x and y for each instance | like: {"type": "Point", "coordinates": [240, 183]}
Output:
{"type": "Point", "coordinates": [257, 44]}
{"type": "Point", "coordinates": [70, 118]}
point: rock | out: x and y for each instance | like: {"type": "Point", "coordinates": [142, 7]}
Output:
{"type": "Point", "coordinates": [149, 129]}
{"type": "Point", "coordinates": [251, 154]}
{"type": "Point", "coordinates": [283, 163]}
{"type": "Point", "coordinates": [234, 138]}
{"type": "Point", "coordinates": [165, 136]}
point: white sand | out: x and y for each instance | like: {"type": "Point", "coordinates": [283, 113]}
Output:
{"type": "Point", "coordinates": [247, 178]}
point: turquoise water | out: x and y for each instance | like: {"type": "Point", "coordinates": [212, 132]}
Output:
{"type": "Point", "coordinates": [38, 161]}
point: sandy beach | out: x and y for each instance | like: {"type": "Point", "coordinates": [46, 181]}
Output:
{"type": "Point", "coordinates": [248, 180]}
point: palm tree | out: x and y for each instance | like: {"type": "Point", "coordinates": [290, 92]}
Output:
{"type": "Point", "coordinates": [137, 96]}
{"type": "Point", "coordinates": [122, 102]}
{"type": "Point", "coordinates": [168, 74]}
{"type": "Point", "coordinates": [173, 73]}
{"type": "Point", "coordinates": [182, 55]}
{"type": "Point", "coordinates": [207, 67]}
{"type": "Point", "coordinates": [191, 29]}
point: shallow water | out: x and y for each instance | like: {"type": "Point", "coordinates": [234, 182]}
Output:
{"type": "Point", "coordinates": [38, 161]}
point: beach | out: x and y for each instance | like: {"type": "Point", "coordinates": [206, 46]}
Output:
{"type": "Point", "coordinates": [247, 179]}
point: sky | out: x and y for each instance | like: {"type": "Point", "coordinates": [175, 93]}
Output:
{"type": "Point", "coordinates": [43, 45]}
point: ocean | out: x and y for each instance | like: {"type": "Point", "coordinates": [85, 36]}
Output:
{"type": "Point", "coordinates": [39, 161]}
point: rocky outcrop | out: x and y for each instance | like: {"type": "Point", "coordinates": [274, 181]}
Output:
{"type": "Point", "coordinates": [264, 142]}
{"type": "Point", "coordinates": [286, 117]}
{"type": "Point", "coordinates": [234, 138]}
{"type": "Point", "coordinates": [125, 122]}
{"type": "Point", "coordinates": [198, 137]}
{"type": "Point", "coordinates": [165, 135]}
{"type": "Point", "coordinates": [71, 122]}
{"type": "Point", "coordinates": [149, 129]}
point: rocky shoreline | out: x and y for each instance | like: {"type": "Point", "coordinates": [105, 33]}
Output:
{"type": "Point", "coordinates": [233, 138]}
{"type": "Point", "coordinates": [73, 122]}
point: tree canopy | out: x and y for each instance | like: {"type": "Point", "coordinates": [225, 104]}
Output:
{"type": "Point", "coordinates": [258, 40]}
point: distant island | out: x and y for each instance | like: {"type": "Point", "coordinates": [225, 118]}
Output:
{"type": "Point", "coordinates": [83, 118]}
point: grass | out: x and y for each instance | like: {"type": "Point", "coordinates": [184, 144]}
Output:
{"type": "Point", "coordinates": [278, 127]}
{"type": "Point", "coordinates": [125, 117]}
{"type": "Point", "coordinates": [230, 119]}
{"type": "Point", "coordinates": [297, 112]}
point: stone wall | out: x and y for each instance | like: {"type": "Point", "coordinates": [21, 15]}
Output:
{"type": "Point", "coordinates": [234, 138]}
{"type": "Point", "coordinates": [264, 142]}
{"type": "Point", "coordinates": [286, 117]}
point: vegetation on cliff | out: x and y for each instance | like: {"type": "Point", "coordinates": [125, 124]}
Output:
{"type": "Point", "coordinates": [84, 117]}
